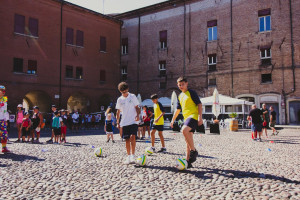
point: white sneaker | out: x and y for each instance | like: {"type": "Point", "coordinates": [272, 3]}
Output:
{"type": "Point", "coordinates": [127, 161]}
{"type": "Point", "coordinates": [153, 149]}
{"type": "Point", "coordinates": [132, 159]}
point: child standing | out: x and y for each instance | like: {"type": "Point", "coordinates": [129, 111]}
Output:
{"type": "Point", "coordinates": [56, 124]}
{"type": "Point", "coordinates": [191, 107]}
{"type": "Point", "coordinates": [109, 127]}
{"type": "Point", "coordinates": [26, 124]}
{"type": "Point", "coordinates": [147, 114]}
{"type": "Point", "coordinates": [64, 118]}
{"type": "Point", "coordinates": [128, 104]}
{"type": "Point", "coordinates": [19, 120]}
{"type": "Point", "coordinates": [3, 119]}
{"type": "Point", "coordinates": [37, 120]}
{"type": "Point", "coordinates": [158, 124]}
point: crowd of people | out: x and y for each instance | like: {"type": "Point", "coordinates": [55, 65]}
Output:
{"type": "Point", "coordinates": [261, 120]}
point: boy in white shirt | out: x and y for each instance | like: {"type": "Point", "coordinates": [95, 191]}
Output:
{"type": "Point", "coordinates": [128, 104]}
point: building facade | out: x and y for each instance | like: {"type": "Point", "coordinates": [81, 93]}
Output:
{"type": "Point", "coordinates": [54, 52]}
{"type": "Point", "coordinates": [245, 49]}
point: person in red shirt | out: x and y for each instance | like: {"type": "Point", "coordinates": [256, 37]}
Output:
{"type": "Point", "coordinates": [147, 114]}
{"type": "Point", "coordinates": [26, 124]}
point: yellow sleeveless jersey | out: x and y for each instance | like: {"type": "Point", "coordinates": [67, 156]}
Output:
{"type": "Point", "coordinates": [188, 103]}
{"type": "Point", "coordinates": [158, 109]}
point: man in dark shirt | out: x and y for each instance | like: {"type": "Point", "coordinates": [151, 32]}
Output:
{"type": "Point", "coordinates": [273, 120]}
{"type": "Point", "coordinates": [255, 115]}
{"type": "Point", "coordinates": [266, 119]}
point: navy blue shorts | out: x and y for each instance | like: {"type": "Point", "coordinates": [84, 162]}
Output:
{"type": "Point", "coordinates": [158, 127]}
{"type": "Point", "coordinates": [192, 123]}
{"type": "Point", "coordinates": [256, 127]}
{"type": "Point", "coordinates": [129, 130]}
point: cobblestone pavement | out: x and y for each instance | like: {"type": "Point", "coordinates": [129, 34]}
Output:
{"type": "Point", "coordinates": [229, 166]}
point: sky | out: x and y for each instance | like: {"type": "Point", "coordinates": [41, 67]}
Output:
{"type": "Point", "coordinates": [114, 6]}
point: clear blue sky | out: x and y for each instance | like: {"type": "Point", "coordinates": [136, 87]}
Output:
{"type": "Point", "coordinates": [114, 6]}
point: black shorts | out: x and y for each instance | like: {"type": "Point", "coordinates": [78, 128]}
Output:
{"type": "Point", "coordinates": [129, 130]}
{"type": "Point", "coordinates": [25, 132]}
{"type": "Point", "coordinates": [57, 131]}
{"type": "Point", "coordinates": [147, 123]}
{"type": "Point", "coordinates": [158, 127]}
{"type": "Point", "coordinates": [192, 123]}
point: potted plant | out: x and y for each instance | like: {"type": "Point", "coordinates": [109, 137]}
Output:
{"type": "Point", "coordinates": [234, 124]}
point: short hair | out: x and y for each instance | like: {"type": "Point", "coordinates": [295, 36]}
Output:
{"type": "Point", "coordinates": [123, 86]}
{"type": "Point", "coordinates": [182, 79]}
{"type": "Point", "coordinates": [154, 96]}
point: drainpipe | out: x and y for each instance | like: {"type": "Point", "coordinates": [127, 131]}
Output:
{"type": "Point", "coordinates": [60, 53]}
{"type": "Point", "coordinates": [139, 55]}
{"type": "Point", "coordinates": [231, 49]}
{"type": "Point", "coordinates": [293, 63]}
{"type": "Point", "coordinates": [184, 36]}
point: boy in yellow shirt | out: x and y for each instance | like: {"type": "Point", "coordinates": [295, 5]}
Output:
{"type": "Point", "coordinates": [158, 124]}
{"type": "Point", "coordinates": [191, 107]}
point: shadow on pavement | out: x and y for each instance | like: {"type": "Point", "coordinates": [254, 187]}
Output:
{"type": "Point", "coordinates": [19, 157]}
{"type": "Point", "coordinates": [226, 173]}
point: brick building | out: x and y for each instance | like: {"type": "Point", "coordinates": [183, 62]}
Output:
{"type": "Point", "coordinates": [33, 59]}
{"type": "Point", "coordinates": [247, 49]}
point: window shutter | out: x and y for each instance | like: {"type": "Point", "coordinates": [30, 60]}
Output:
{"type": "Point", "coordinates": [124, 41]}
{"type": "Point", "coordinates": [264, 12]}
{"type": "Point", "coordinates": [19, 24]}
{"type": "Point", "coordinates": [79, 38]}
{"type": "Point", "coordinates": [33, 26]}
{"type": "Point", "coordinates": [163, 35]}
{"type": "Point", "coordinates": [102, 75]}
{"type": "Point", "coordinates": [69, 36]}
{"type": "Point", "coordinates": [102, 43]}
{"type": "Point", "coordinates": [212, 23]}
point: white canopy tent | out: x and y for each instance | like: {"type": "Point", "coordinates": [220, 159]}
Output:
{"type": "Point", "coordinates": [165, 101]}
{"type": "Point", "coordinates": [228, 105]}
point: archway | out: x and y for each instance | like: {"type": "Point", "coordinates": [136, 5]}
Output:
{"type": "Point", "coordinates": [78, 101]}
{"type": "Point", "coordinates": [37, 98]}
{"type": "Point", "coordinates": [294, 112]}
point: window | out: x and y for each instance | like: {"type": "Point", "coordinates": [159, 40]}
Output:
{"type": "Point", "coordinates": [69, 71]}
{"type": "Point", "coordinates": [162, 85]}
{"type": "Point", "coordinates": [103, 44]}
{"type": "Point", "coordinates": [265, 56]}
{"type": "Point", "coordinates": [212, 82]}
{"type": "Point", "coordinates": [208, 109]}
{"type": "Point", "coordinates": [266, 78]}
{"type": "Point", "coordinates": [163, 35]}
{"type": "Point", "coordinates": [212, 62]}
{"type": "Point", "coordinates": [19, 24]}
{"type": "Point", "coordinates": [79, 38]}
{"type": "Point", "coordinates": [79, 73]}
{"type": "Point", "coordinates": [162, 68]}
{"type": "Point", "coordinates": [124, 73]}
{"type": "Point", "coordinates": [212, 30]}
{"type": "Point", "coordinates": [69, 36]}
{"type": "Point", "coordinates": [124, 46]}
{"type": "Point", "coordinates": [18, 65]}
{"type": "Point", "coordinates": [102, 76]}
{"type": "Point", "coordinates": [264, 20]}
{"type": "Point", "coordinates": [32, 67]}
{"type": "Point", "coordinates": [33, 27]}
{"type": "Point", "coordinates": [229, 108]}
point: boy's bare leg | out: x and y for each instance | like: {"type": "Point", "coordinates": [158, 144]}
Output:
{"type": "Point", "coordinates": [153, 137]}
{"type": "Point", "coordinates": [128, 146]}
{"type": "Point", "coordinates": [162, 140]}
{"type": "Point", "coordinates": [133, 142]}
{"type": "Point", "coordinates": [188, 137]}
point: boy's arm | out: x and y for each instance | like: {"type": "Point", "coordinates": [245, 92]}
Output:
{"type": "Point", "coordinates": [200, 121]}
{"type": "Point", "coordinates": [174, 117]}
{"type": "Point", "coordinates": [118, 118]}
{"type": "Point", "coordinates": [41, 120]}
{"type": "Point", "coordinates": [138, 111]}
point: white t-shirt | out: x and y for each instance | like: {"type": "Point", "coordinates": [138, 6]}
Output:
{"type": "Point", "coordinates": [127, 106]}
{"type": "Point", "coordinates": [75, 117]}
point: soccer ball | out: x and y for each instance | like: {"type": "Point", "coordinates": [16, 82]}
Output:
{"type": "Point", "coordinates": [98, 152]}
{"type": "Point", "coordinates": [181, 164]}
{"type": "Point", "coordinates": [148, 151]}
{"type": "Point", "coordinates": [141, 160]}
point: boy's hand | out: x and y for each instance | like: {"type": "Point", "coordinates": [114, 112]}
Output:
{"type": "Point", "coordinates": [172, 123]}
{"type": "Point", "coordinates": [137, 118]}
{"type": "Point", "coordinates": [200, 122]}
{"type": "Point", "coordinates": [156, 121]}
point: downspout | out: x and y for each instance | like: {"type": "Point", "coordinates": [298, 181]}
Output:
{"type": "Point", "coordinates": [293, 62]}
{"type": "Point", "coordinates": [184, 37]}
{"type": "Point", "coordinates": [60, 53]}
{"type": "Point", "coordinates": [139, 56]}
{"type": "Point", "coordinates": [231, 49]}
